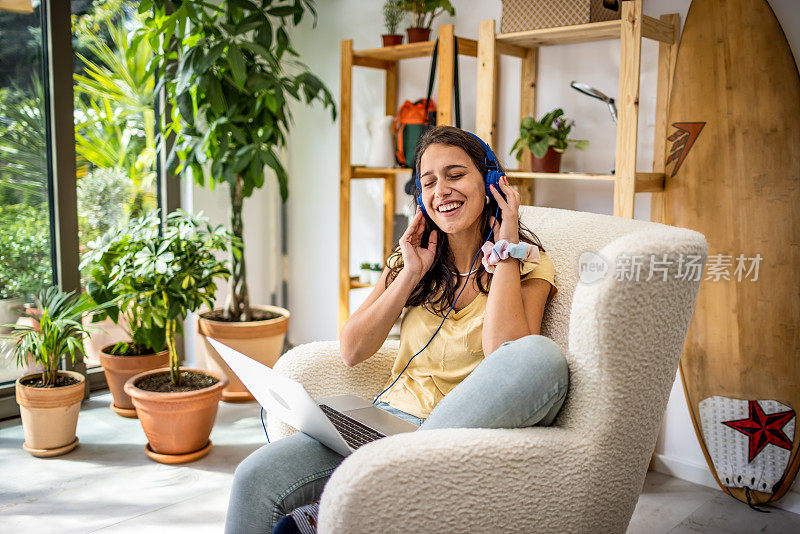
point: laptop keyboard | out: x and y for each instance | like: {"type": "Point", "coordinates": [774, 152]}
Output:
{"type": "Point", "coordinates": [354, 433]}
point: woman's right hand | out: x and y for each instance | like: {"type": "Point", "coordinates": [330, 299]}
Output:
{"type": "Point", "coordinates": [416, 259]}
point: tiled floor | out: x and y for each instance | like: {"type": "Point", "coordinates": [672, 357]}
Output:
{"type": "Point", "coordinates": [108, 485]}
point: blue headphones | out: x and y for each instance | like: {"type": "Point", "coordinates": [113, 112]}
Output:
{"type": "Point", "coordinates": [492, 177]}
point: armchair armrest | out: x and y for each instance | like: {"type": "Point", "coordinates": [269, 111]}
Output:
{"type": "Point", "coordinates": [467, 480]}
{"type": "Point", "coordinates": [319, 367]}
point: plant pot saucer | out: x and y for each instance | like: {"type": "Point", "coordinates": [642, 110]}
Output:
{"type": "Point", "coordinates": [177, 458]}
{"type": "Point", "coordinates": [237, 396]}
{"type": "Point", "coordinates": [48, 453]}
{"type": "Point", "coordinates": [124, 412]}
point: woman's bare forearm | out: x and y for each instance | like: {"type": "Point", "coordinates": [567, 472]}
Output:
{"type": "Point", "coordinates": [366, 330]}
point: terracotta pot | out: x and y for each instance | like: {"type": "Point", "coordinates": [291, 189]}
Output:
{"type": "Point", "coordinates": [392, 39]}
{"type": "Point", "coordinates": [119, 369]}
{"type": "Point", "coordinates": [418, 35]}
{"type": "Point", "coordinates": [50, 415]}
{"type": "Point", "coordinates": [101, 334]}
{"type": "Point", "coordinates": [177, 425]}
{"type": "Point", "coordinates": [551, 162]}
{"type": "Point", "coordinates": [260, 340]}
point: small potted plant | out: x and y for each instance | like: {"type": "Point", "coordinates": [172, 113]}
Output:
{"type": "Point", "coordinates": [49, 400]}
{"type": "Point", "coordinates": [364, 276]}
{"type": "Point", "coordinates": [546, 139]}
{"type": "Point", "coordinates": [423, 13]}
{"type": "Point", "coordinates": [375, 273]}
{"type": "Point", "coordinates": [393, 15]}
{"type": "Point", "coordinates": [176, 272]}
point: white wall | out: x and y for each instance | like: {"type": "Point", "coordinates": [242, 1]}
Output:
{"type": "Point", "coordinates": [313, 165]}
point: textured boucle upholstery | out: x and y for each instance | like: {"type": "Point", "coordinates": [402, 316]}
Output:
{"type": "Point", "coordinates": [622, 339]}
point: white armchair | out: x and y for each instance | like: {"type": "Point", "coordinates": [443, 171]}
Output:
{"type": "Point", "coordinates": [622, 339]}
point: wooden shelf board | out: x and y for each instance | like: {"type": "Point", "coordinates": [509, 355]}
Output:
{"type": "Point", "coordinates": [578, 33]}
{"type": "Point", "coordinates": [466, 47]}
{"type": "Point", "coordinates": [646, 182]}
{"type": "Point", "coordinates": [359, 171]}
{"type": "Point", "coordinates": [560, 175]}
{"type": "Point", "coordinates": [652, 28]}
{"type": "Point", "coordinates": [356, 284]}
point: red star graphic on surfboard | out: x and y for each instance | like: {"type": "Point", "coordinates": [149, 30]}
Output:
{"type": "Point", "coordinates": [762, 429]}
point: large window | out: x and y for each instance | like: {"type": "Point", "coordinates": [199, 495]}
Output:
{"type": "Point", "coordinates": [101, 92]}
{"type": "Point", "coordinates": [25, 228]}
{"type": "Point", "coordinates": [114, 117]}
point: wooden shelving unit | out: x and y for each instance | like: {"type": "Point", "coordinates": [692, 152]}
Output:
{"type": "Point", "coordinates": [630, 29]}
{"type": "Point", "coordinates": [387, 60]}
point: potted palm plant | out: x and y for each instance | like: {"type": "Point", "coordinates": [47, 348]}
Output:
{"type": "Point", "coordinates": [159, 275]}
{"type": "Point", "coordinates": [49, 400]}
{"type": "Point", "coordinates": [546, 139]}
{"type": "Point", "coordinates": [423, 12]}
{"type": "Point", "coordinates": [229, 75]}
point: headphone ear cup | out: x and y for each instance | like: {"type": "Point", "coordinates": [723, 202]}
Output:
{"type": "Point", "coordinates": [492, 178]}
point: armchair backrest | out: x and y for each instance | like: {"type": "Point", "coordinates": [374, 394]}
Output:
{"type": "Point", "coordinates": [623, 338]}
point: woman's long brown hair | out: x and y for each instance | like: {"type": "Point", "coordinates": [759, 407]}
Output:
{"type": "Point", "coordinates": [436, 291]}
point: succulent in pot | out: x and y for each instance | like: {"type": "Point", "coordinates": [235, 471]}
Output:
{"type": "Point", "coordinates": [49, 400]}
{"type": "Point", "coordinates": [230, 71]}
{"type": "Point", "coordinates": [158, 274]}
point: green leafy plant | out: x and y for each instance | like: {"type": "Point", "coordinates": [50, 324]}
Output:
{"type": "Point", "coordinates": [551, 130]}
{"type": "Point", "coordinates": [393, 15]}
{"type": "Point", "coordinates": [103, 195]}
{"type": "Point", "coordinates": [24, 250]}
{"type": "Point", "coordinates": [154, 276]}
{"type": "Point", "coordinates": [57, 331]}
{"type": "Point", "coordinates": [229, 77]}
{"type": "Point", "coordinates": [424, 11]}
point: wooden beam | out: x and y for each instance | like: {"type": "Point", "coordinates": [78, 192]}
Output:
{"type": "Point", "coordinates": [487, 67]}
{"type": "Point", "coordinates": [649, 182]}
{"type": "Point", "coordinates": [660, 30]}
{"type": "Point", "coordinates": [394, 53]}
{"type": "Point", "coordinates": [373, 63]}
{"type": "Point", "coordinates": [391, 90]}
{"type": "Point", "coordinates": [629, 73]}
{"type": "Point", "coordinates": [467, 47]}
{"type": "Point", "coordinates": [444, 104]}
{"type": "Point", "coordinates": [388, 214]}
{"type": "Point", "coordinates": [510, 49]}
{"type": "Point", "coordinates": [667, 56]}
{"type": "Point", "coordinates": [527, 106]}
{"type": "Point", "coordinates": [345, 116]}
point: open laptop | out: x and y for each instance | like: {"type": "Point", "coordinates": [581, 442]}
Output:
{"type": "Point", "coordinates": [341, 422]}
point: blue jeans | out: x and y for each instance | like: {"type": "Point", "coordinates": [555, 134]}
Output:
{"type": "Point", "coordinates": [523, 383]}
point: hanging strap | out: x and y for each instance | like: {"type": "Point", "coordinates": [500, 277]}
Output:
{"type": "Point", "coordinates": [455, 84]}
{"type": "Point", "coordinates": [432, 76]}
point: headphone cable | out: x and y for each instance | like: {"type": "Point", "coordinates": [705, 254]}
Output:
{"type": "Point", "coordinates": [445, 317]}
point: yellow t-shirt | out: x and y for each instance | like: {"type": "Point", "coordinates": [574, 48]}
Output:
{"type": "Point", "coordinates": [452, 354]}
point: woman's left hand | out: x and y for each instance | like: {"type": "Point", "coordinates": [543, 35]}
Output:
{"type": "Point", "coordinates": [508, 228]}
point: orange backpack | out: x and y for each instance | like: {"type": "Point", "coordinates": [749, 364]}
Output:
{"type": "Point", "coordinates": [409, 125]}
